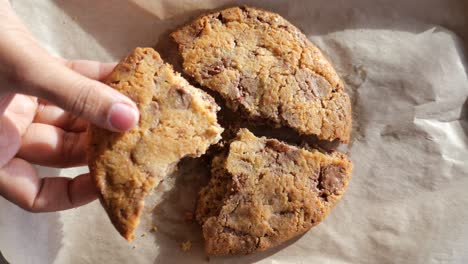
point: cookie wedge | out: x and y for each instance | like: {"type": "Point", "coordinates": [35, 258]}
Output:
{"type": "Point", "coordinates": [263, 192]}
{"type": "Point", "coordinates": [177, 120]}
{"type": "Point", "coordinates": [267, 69]}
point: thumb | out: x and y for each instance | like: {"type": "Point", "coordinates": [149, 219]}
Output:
{"type": "Point", "coordinates": [84, 97]}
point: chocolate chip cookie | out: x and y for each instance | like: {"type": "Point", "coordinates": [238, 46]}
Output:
{"type": "Point", "coordinates": [176, 121]}
{"type": "Point", "coordinates": [264, 67]}
{"type": "Point", "coordinates": [264, 192]}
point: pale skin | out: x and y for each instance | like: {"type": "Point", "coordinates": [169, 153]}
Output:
{"type": "Point", "coordinates": [46, 104]}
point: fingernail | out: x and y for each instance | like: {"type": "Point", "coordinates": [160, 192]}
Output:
{"type": "Point", "coordinates": [122, 117]}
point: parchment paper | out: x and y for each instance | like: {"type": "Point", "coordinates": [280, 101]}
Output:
{"type": "Point", "coordinates": [404, 67]}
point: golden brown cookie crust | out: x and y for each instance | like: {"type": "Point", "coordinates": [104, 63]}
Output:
{"type": "Point", "coordinates": [264, 192]}
{"type": "Point", "coordinates": [176, 120]}
{"type": "Point", "coordinates": [265, 67]}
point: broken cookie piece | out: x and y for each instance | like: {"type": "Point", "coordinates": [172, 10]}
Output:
{"type": "Point", "coordinates": [176, 121]}
{"type": "Point", "coordinates": [267, 69]}
{"type": "Point", "coordinates": [263, 192]}
{"type": "Point", "coordinates": [186, 245]}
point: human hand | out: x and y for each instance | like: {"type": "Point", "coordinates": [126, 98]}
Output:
{"type": "Point", "coordinates": [45, 106]}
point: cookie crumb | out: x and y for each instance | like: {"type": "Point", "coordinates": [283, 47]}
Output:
{"type": "Point", "coordinates": [153, 229]}
{"type": "Point", "coordinates": [186, 245]}
{"type": "Point", "coordinates": [143, 235]}
{"type": "Point", "coordinates": [188, 216]}
{"type": "Point", "coordinates": [134, 247]}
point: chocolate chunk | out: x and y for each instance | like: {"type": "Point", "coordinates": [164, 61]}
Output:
{"type": "Point", "coordinates": [183, 98]}
{"type": "Point", "coordinates": [312, 85]}
{"type": "Point", "coordinates": [154, 114]}
{"type": "Point", "coordinates": [227, 62]}
{"type": "Point", "coordinates": [248, 87]}
{"type": "Point", "coordinates": [215, 68]}
{"type": "Point", "coordinates": [277, 145]}
{"type": "Point", "coordinates": [331, 179]}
